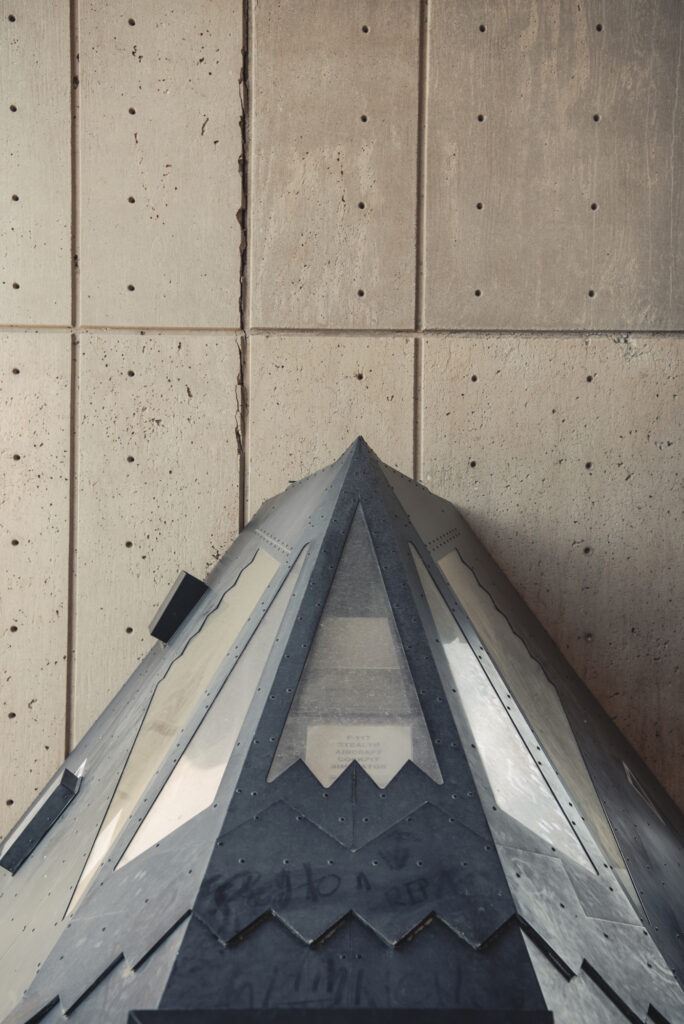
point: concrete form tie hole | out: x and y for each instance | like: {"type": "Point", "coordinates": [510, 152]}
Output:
{"type": "Point", "coordinates": [13, 629]}
{"type": "Point", "coordinates": [483, 28]}
{"type": "Point", "coordinates": [591, 293]}
{"type": "Point", "coordinates": [11, 17]}
{"type": "Point", "coordinates": [131, 21]}
{"type": "Point", "coordinates": [131, 199]}
{"type": "Point", "coordinates": [131, 373]}
{"type": "Point", "coordinates": [594, 206]}
{"type": "Point", "coordinates": [15, 284]}
{"type": "Point", "coordinates": [13, 108]}
{"type": "Point", "coordinates": [16, 370]}
{"type": "Point", "coordinates": [361, 293]}
{"type": "Point", "coordinates": [364, 28]}
{"type": "Point", "coordinates": [599, 28]}
{"type": "Point", "coordinates": [130, 458]}
{"type": "Point", "coordinates": [14, 542]}
{"type": "Point", "coordinates": [364, 118]}
{"type": "Point", "coordinates": [479, 206]}
{"type": "Point", "coordinates": [131, 287]}
{"type": "Point", "coordinates": [129, 629]}
{"type": "Point", "coordinates": [15, 198]}
{"type": "Point", "coordinates": [480, 118]}
{"type": "Point", "coordinates": [478, 293]}
{"type": "Point", "coordinates": [362, 206]}
{"type": "Point", "coordinates": [131, 110]}
{"type": "Point", "coordinates": [473, 463]}
{"type": "Point", "coordinates": [597, 117]}
{"type": "Point", "coordinates": [16, 457]}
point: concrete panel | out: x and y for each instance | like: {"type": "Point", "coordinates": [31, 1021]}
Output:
{"type": "Point", "coordinates": [309, 397]}
{"type": "Point", "coordinates": [35, 163]}
{"type": "Point", "coordinates": [332, 179]}
{"type": "Point", "coordinates": [160, 182]}
{"type": "Point", "coordinates": [564, 454]}
{"type": "Point", "coordinates": [555, 181]}
{"type": "Point", "coordinates": [35, 373]}
{"type": "Point", "coordinates": [157, 492]}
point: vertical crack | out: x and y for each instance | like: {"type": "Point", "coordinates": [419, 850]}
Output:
{"type": "Point", "coordinates": [243, 86]}
{"type": "Point", "coordinates": [243, 169]}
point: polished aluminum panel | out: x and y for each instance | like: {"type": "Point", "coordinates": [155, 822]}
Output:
{"type": "Point", "coordinates": [623, 955]}
{"type": "Point", "coordinates": [535, 695]}
{"type": "Point", "coordinates": [193, 784]}
{"type": "Point", "coordinates": [574, 1001]}
{"type": "Point", "coordinates": [517, 784]}
{"type": "Point", "coordinates": [175, 696]}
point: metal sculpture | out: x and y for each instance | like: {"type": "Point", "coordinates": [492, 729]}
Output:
{"type": "Point", "coordinates": [357, 781]}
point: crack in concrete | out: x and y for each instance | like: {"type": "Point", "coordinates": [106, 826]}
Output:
{"type": "Point", "coordinates": [240, 389]}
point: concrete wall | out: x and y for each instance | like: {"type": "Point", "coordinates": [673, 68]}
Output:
{"type": "Point", "coordinates": [463, 238]}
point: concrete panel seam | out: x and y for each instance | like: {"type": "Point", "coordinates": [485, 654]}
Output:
{"type": "Point", "coordinates": [72, 541]}
{"type": "Point", "coordinates": [73, 380]}
{"type": "Point", "coordinates": [75, 162]}
{"type": "Point", "coordinates": [418, 357]}
{"type": "Point", "coordinates": [421, 155]}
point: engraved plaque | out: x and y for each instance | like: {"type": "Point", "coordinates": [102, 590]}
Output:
{"type": "Point", "coordinates": [380, 749]}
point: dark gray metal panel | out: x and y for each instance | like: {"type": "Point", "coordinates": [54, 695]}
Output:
{"type": "Point", "coordinates": [425, 864]}
{"type": "Point", "coordinates": [351, 968]}
{"type": "Point", "coordinates": [438, 859]}
{"type": "Point", "coordinates": [179, 602]}
{"type": "Point", "coordinates": [23, 839]}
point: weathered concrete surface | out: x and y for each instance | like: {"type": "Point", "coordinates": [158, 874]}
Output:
{"type": "Point", "coordinates": [157, 492]}
{"type": "Point", "coordinates": [565, 454]}
{"type": "Point", "coordinates": [160, 182]}
{"type": "Point", "coordinates": [309, 397]}
{"type": "Point", "coordinates": [34, 549]}
{"type": "Point", "coordinates": [531, 122]}
{"type": "Point", "coordinates": [35, 163]}
{"type": "Point", "coordinates": [334, 125]}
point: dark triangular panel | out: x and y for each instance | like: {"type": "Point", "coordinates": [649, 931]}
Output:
{"type": "Point", "coordinates": [358, 780]}
{"type": "Point", "coordinates": [352, 968]}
